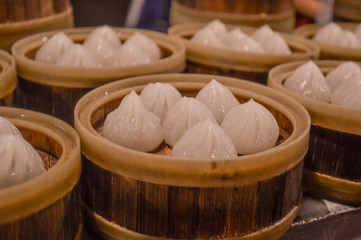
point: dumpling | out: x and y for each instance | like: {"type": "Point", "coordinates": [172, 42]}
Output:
{"type": "Point", "coordinates": [103, 50]}
{"type": "Point", "coordinates": [309, 81]}
{"type": "Point", "coordinates": [348, 39]}
{"type": "Point", "coordinates": [252, 127]}
{"type": "Point", "coordinates": [348, 94]}
{"type": "Point", "coordinates": [146, 45]}
{"type": "Point", "coordinates": [182, 116]}
{"type": "Point", "coordinates": [159, 98]}
{"type": "Point", "coordinates": [53, 48]}
{"type": "Point", "coordinates": [107, 33]}
{"type": "Point", "coordinates": [217, 98]}
{"type": "Point", "coordinates": [328, 34]}
{"type": "Point", "coordinates": [19, 161]}
{"type": "Point", "coordinates": [238, 40]}
{"type": "Point", "coordinates": [271, 41]}
{"type": "Point", "coordinates": [132, 125]}
{"type": "Point", "coordinates": [342, 73]}
{"type": "Point", "coordinates": [78, 56]}
{"type": "Point", "coordinates": [130, 54]}
{"type": "Point", "coordinates": [205, 140]}
{"type": "Point", "coordinates": [211, 34]}
{"type": "Point", "coordinates": [6, 127]}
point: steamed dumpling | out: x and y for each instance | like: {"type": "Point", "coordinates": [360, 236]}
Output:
{"type": "Point", "coordinates": [217, 98]}
{"type": "Point", "coordinates": [211, 34]}
{"type": "Point", "coordinates": [6, 127]}
{"type": "Point", "coordinates": [146, 45]}
{"type": "Point", "coordinates": [271, 41]}
{"type": "Point", "coordinates": [159, 98]}
{"type": "Point", "coordinates": [53, 48]}
{"type": "Point", "coordinates": [107, 33]}
{"type": "Point", "coordinates": [309, 81]}
{"type": "Point", "coordinates": [342, 73]}
{"type": "Point", "coordinates": [252, 127]}
{"type": "Point", "coordinates": [78, 56]}
{"type": "Point", "coordinates": [348, 94]}
{"type": "Point", "coordinates": [132, 125]}
{"type": "Point", "coordinates": [130, 54]}
{"type": "Point", "coordinates": [328, 34]}
{"type": "Point", "coordinates": [238, 40]}
{"type": "Point", "coordinates": [19, 161]}
{"type": "Point", "coordinates": [348, 39]}
{"type": "Point", "coordinates": [182, 116]}
{"type": "Point", "coordinates": [205, 140]}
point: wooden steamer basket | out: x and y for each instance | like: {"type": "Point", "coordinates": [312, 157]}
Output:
{"type": "Point", "coordinates": [332, 166]}
{"type": "Point", "coordinates": [279, 14]}
{"type": "Point", "coordinates": [347, 10]}
{"type": "Point", "coordinates": [19, 19]}
{"type": "Point", "coordinates": [245, 65]}
{"type": "Point", "coordinates": [45, 207]}
{"type": "Point", "coordinates": [8, 78]}
{"type": "Point", "coordinates": [56, 89]}
{"type": "Point", "coordinates": [330, 51]}
{"type": "Point", "coordinates": [130, 194]}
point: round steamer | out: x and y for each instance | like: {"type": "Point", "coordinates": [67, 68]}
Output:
{"type": "Point", "coordinates": [245, 65]}
{"type": "Point", "coordinates": [19, 19]}
{"type": "Point", "coordinates": [332, 166]}
{"type": "Point", "coordinates": [8, 78]}
{"type": "Point", "coordinates": [279, 14]}
{"type": "Point", "coordinates": [130, 194]}
{"type": "Point", "coordinates": [347, 10]}
{"type": "Point", "coordinates": [329, 51]}
{"type": "Point", "coordinates": [45, 207]}
{"type": "Point", "coordinates": [56, 89]}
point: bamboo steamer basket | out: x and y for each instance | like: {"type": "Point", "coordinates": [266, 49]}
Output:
{"type": "Point", "coordinates": [330, 51]}
{"type": "Point", "coordinates": [332, 166]}
{"type": "Point", "coordinates": [19, 19]}
{"type": "Point", "coordinates": [56, 89]}
{"type": "Point", "coordinates": [130, 194]}
{"type": "Point", "coordinates": [8, 78]}
{"type": "Point", "coordinates": [347, 10]}
{"type": "Point", "coordinates": [279, 14]}
{"type": "Point", "coordinates": [45, 207]}
{"type": "Point", "coordinates": [245, 65]}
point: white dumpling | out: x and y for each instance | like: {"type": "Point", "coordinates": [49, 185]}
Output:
{"type": "Point", "coordinates": [309, 81]}
{"type": "Point", "coordinates": [146, 45]}
{"type": "Point", "coordinates": [53, 48]}
{"type": "Point", "coordinates": [211, 34]}
{"type": "Point", "coordinates": [348, 94]}
{"type": "Point", "coordinates": [342, 73]}
{"type": "Point", "coordinates": [130, 54]}
{"type": "Point", "coordinates": [6, 127]}
{"type": "Point", "coordinates": [348, 39]}
{"type": "Point", "coordinates": [107, 33]}
{"type": "Point", "coordinates": [217, 98]}
{"type": "Point", "coordinates": [78, 56]}
{"type": "Point", "coordinates": [217, 26]}
{"type": "Point", "coordinates": [159, 97]}
{"type": "Point", "coordinates": [132, 125]}
{"type": "Point", "coordinates": [19, 161]}
{"type": "Point", "coordinates": [205, 140]}
{"type": "Point", "coordinates": [272, 42]}
{"type": "Point", "coordinates": [103, 49]}
{"type": "Point", "coordinates": [328, 34]}
{"type": "Point", "coordinates": [182, 116]}
{"type": "Point", "coordinates": [238, 40]}
{"type": "Point", "coordinates": [252, 127]}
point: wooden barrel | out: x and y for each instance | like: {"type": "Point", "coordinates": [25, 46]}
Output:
{"type": "Point", "coordinates": [8, 78]}
{"type": "Point", "coordinates": [22, 18]}
{"type": "Point", "coordinates": [329, 51]}
{"type": "Point", "coordinates": [347, 10]}
{"type": "Point", "coordinates": [56, 89]}
{"type": "Point", "coordinates": [245, 65]}
{"type": "Point", "coordinates": [332, 166]}
{"type": "Point", "coordinates": [279, 14]}
{"type": "Point", "coordinates": [45, 207]}
{"type": "Point", "coordinates": [130, 194]}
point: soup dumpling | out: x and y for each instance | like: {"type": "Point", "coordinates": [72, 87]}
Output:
{"type": "Point", "coordinates": [6, 127]}
{"type": "Point", "coordinates": [78, 56]}
{"type": "Point", "coordinates": [272, 42]}
{"type": "Point", "coordinates": [342, 73]}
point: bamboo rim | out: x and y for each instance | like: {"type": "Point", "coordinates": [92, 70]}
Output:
{"type": "Point", "coordinates": [76, 77]}
{"type": "Point", "coordinates": [182, 14]}
{"type": "Point", "coordinates": [348, 9]}
{"type": "Point", "coordinates": [192, 173]}
{"type": "Point", "coordinates": [32, 196]}
{"type": "Point", "coordinates": [326, 185]}
{"type": "Point", "coordinates": [8, 76]}
{"type": "Point", "coordinates": [12, 31]}
{"type": "Point", "coordinates": [111, 231]}
{"type": "Point", "coordinates": [330, 51]}
{"type": "Point", "coordinates": [322, 114]}
{"type": "Point", "coordinates": [238, 60]}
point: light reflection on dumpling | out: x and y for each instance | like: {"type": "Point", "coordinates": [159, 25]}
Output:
{"type": "Point", "coordinates": [107, 33]}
